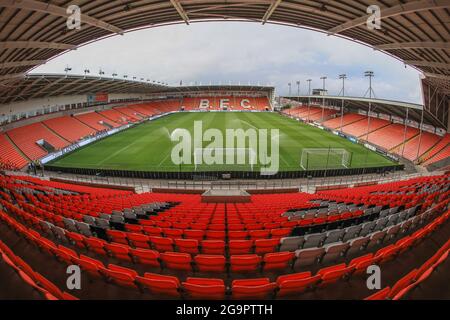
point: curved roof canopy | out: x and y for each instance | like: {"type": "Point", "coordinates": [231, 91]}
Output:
{"type": "Point", "coordinates": [416, 32]}
{"type": "Point", "coordinates": [35, 86]}
{"type": "Point", "coordinates": [389, 107]}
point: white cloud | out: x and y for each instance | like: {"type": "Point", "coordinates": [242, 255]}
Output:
{"type": "Point", "coordinates": [223, 52]}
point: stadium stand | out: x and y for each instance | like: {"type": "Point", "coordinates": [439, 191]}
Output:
{"type": "Point", "coordinates": [444, 153]}
{"type": "Point", "coordinates": [392, 219]}
{"type": "Point", "coordinates": [359, 128]}
{"type": "Point", "coordinates": [69, 128]}
{"type": "Point", "coordinates": [190, 103]}
{"type": "Point", "coordinates": [130, 113]}
{"type": "Point", "coordinates": [95, 121]}
{"type": "Point", "coordinates": [25, 139]}
{"type": "Point", "coordinates": [10, 158]}
{"type": "Point", "coordinates": [347, 119]}
{"type": "Point", "coordinates": [319, 116]}
{"type": "Point", "coordinates": [167, 105]}
{"type": "Point", "coordinates": [440, 146]}
{"type": "Point", "coordinates": [145, 109]}
{"type": "Point", "coordinates": [306, 112]}
{"type": "Point", "coordinates": [262, 103]}
{"type": "Point", "coordinates": [412, 151]}
{"type": "Point", "coordinates": [116, 116]}
{"type": "Point", "coordinates": [391, 136]}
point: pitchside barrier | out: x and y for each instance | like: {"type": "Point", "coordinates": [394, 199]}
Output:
{"type": "Point", "coordinates": [220, 174]}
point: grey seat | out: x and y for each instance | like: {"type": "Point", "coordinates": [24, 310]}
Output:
{"type": "Point", "coordinates": [84, 229]}
{"type": "Point", "coordinates": [130, 215]}
{"type": "Point", "coordinates": [411, 212]}
{"type": "Point", "coordinates": [392, 231]}
{"type": "Point", "coordinates": [118, 219]}
{"type": "Point", "coordinates": [89, 220]}
{"type": "Point", "coordinates": [406, 225]}
{"type": "Point", "coordinates": [351, 232]}
{"type": "Point", "coordinates": [104, 216]}
{"type": "Point", "coordinates": [307, 257]}
{"type": "Point", "coordinates": [46, 227]}
{"type": "Point", "coordinates": [357, 245]}
{"type": "Point", "coordinates": [70, 224]}
{"type": "Point", "coordinates": [402, 216]}
{"type": "Point", "coordinates": [392, 219]}
{"type": "Point", "coordinates": [367, 228]}
{"type": "Point", "coordinates": [322, 214]}
{"type": "Point", "coordinates": [381, 224]}
{"type": "Point", "coordinates": [417, 220]}
{"type": "Point", "coordinates": [376, 209]}
{"type": "Point", "coordinates": [102, 223]}
{"type": "Point", "coordinates": [291, 243]}
{"type": "Point", "coordinates": [376, 238]}
{"type": "Point", "coordinates": [314, 240]}
{"type": "Point", "coordinates": [59, 234]}
{"type": "Point", "coordinates": [334, 251]}
{"type": "Point", "coordinates": [334, 236]}
{"type": "Point", "coordinates": [393, 210]}
{"type": "Point", "coordinates": [310, 215]}
{"type": "Point", "coordinates": [384, 213]}
{"type": "Point", "coordinates": [120, 214]}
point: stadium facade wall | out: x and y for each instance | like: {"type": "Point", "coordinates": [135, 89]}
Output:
{"type": "Point", "coordinates": [53, 104]}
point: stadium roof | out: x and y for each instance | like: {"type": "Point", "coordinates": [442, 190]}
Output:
{"type": "Point", "coordinates": [35, 86]}
{"type": "Point", "coordinates": [395, 108]}
{"type": "Point", "coordinates": [416, 32]}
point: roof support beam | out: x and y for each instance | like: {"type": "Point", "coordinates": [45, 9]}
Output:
{"type": "Point", "coordinates": [414, 45]}
{"type": "Point", "coordinates": [11, 76]}
{"type": "Point", "coordinates": [44, 88]}
{"type": "Point", "coordinates": [437, 76]}
{"type": "Point", "coordinates": [180, 10]}
{"type": "Point", "coordinates": [72, 85]}
{"type": "Point", "coordinates": [30, 85]}
{"type": "Point", "coordinates": [271, 10]}
{"type": "Point", "coordinates": [55, 10]}
{"type": "Point", "coordinates": [14, 64]}
{"type": "Point", "coordinates": [35, 45]}
{"type": "Point", "coordinates": [401, 9]}
{"type": "Point", "coordinates": [421, 63]}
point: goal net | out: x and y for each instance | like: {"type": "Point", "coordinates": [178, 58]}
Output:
{"type": "Point", "coordinates": [325, 158]}
{"type": "Point", "coordinates": [224, 159]}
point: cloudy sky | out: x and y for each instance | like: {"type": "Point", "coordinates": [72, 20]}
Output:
{"type": "Point", "coordinates": [243, 52]}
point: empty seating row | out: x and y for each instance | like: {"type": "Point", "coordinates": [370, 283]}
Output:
{"type": "Point", "coordinates": [414, 278]}
{"type": "Point", "coordinates": [32, 278]}
{"type": "Point", "coordinates": [69, 128]}
{"type": "Point", "coordinates": [361, 128]}
{"type": "Point", "coordinates": [417, 146]}
{"type": "Point", "coordinates": [440, 146]}
{"type": "Point", "coordinates": [26, 138]}
{"type": "Point", "coordinates": [288, 284]}
{"type": "Point", "coordinates": [241, 262]}
{"type": "Point", "coordinates": [10, 158]}
{"type": "Point", "coordinates": [347, 119]}
{"type": "Point", "coordinates": [392, 136]}
{"type": "Point", "coordinates": [96, 121]}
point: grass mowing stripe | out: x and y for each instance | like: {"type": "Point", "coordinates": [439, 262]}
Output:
{"type": "Point", "coordinates": [147, 147]}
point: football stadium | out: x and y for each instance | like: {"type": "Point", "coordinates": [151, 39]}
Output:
{"type": "Point", "coordinates": [117, 188]}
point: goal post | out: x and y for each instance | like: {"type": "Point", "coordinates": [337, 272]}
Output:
{"type": "Point", "coordinates": [325, 158]}
{"type": "Point", "coordinates": [223, 159]}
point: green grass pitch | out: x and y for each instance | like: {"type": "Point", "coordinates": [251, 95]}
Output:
{"type": "Point", "coordinates": [147, 147]}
